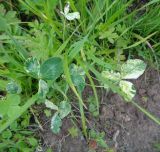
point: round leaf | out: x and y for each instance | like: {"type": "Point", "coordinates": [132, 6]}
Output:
{"type": "Point", "coordinates": [13, 88]}
{"type": "Point", "coordinates": [7, 134]}
{"type": "Point", "coordinates": [12, 109]}
{"type": "Point", "coordinates": [51, 69]}
{"type": "Point", "coordinates": [64, 109]}
{"type": "Point", "coordinates": [132, 69]}
{"type": "Point", "coordinates": [32, 67]}
{"type": "Point", "coordinates": [56, 123]}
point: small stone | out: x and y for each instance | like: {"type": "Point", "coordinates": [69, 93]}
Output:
{"type": "Point", "coordinates": [126, 118]}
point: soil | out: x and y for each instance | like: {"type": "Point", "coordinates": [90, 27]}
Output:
{"type": "Point", "coordinates": [127, 129]}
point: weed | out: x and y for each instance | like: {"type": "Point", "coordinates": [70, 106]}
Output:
{"type": "Point", "coordinates": [60, 45]}
{"type": "Point", "coordinates": [17, 137]}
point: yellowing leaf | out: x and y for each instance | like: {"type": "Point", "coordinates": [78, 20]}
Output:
{"type": "Point", "coordinates": [128, 89]}
{"type": "Point", "coordinates": [114, 77]}
{"type": "Point", "coordinates": [111, 75]}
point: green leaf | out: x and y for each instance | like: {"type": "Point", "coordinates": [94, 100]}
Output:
{"type": "Point", "coordinates": [43, 89]}
{"type": "Point", "coordinates": [47, 112]}
{"type": "Point", "coordinates": [13, 103]}
{"type": "Point", "coordinates": [51, 5]}
{"type": "Point", "coordinates": [101, 142]}
{"type": "Point", "coordinates": [74, 69]}
{"type": "Point", "coordinates": [7, 18]}
{"type": "Point", "coordinates": [77, 47]}
{"type": "Point", "coordinates": [32, 67]}
{"type": "Point", "coordinates": [79, 82]}
{"type": "Point", "coordinates": [3, 84]}
{"type": "Point", "coordinates": [93, 109]}
{"type": "Point", "coordinates": [10, 105]}
{"type": "Point", "coordinates": [13, 149]}
{"type": "Point", "coordinates": [21, 145]}
{"type": "Point", "coordinates": [14, 126]}
{"type": "Point", "coordinates": [56, 123]}
{"type": "Point", "coordinates": [12, 110]}
{"type": "Point", "coordinates": [99, 137]}
{"type": "Point", "coordinates": [3, 24]}
{"type": "Point", "coordinates": [78, 77]}
{"type": "Point", "coordinates": [132, 69]}
{"type": "Point", "coordinates": [109, 34]}
{"type": "Point", "coordinates": [64, 109]}
{"type": "Point", "coordinates": [50, 105]}
{"type": "Point", "coordinates": [6, 134]}
{"type": "Point", "coordinates": [51, 69]}
{"type": "Point", "coordinates": [14, 99]}
{"type": "Point", "coordinates": [93, 106]}
{"type": "Point", "coordinates": [49, 150]}
{"type": "Point", "coordinates": [13, 88]}
{"type": "Point", "coordinates": [32, 141]}
{"type": "Point", "coordinates": [73, 131]}
{"type": "Point", "coordinates": [2, 10]}
{"type": "Point", "coordinates": [129, 90]}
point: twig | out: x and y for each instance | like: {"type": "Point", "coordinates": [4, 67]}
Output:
{"type": "Point", "coordinates": [36, 119]}
{"type": "Point", "coordinates": [115, 138]}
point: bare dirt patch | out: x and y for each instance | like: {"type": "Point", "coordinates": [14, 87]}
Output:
{"type": "Point", "coordinates": [127, 129]}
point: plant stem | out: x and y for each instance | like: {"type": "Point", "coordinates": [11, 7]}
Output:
{"type": "Point", "coordinates": [157, 120]}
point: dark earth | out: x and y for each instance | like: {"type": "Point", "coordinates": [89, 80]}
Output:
{"type": "Point", "coordinates": [127, 129]}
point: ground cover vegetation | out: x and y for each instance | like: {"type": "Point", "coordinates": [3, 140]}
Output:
{"type": "Point", "coordinates": [51, 50]}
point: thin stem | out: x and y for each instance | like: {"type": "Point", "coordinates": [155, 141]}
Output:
{"type": "Point", "coordinates": [157, 120]}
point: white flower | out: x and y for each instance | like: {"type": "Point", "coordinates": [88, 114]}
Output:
{"type": "Point", "coordinates": [70, 16]}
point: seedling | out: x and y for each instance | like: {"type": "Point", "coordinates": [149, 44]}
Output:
{"type": "Point", "coordinates": [97, 139]}
{"type": "Point", "coordinates": [132, 69]}
{"type": "Point", "coordinates": [73, 131]}
{"type": "Point", "coordinates": [93, 106]}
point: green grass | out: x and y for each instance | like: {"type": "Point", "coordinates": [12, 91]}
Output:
{"type": "Point", "coordinates": [104, 38]}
